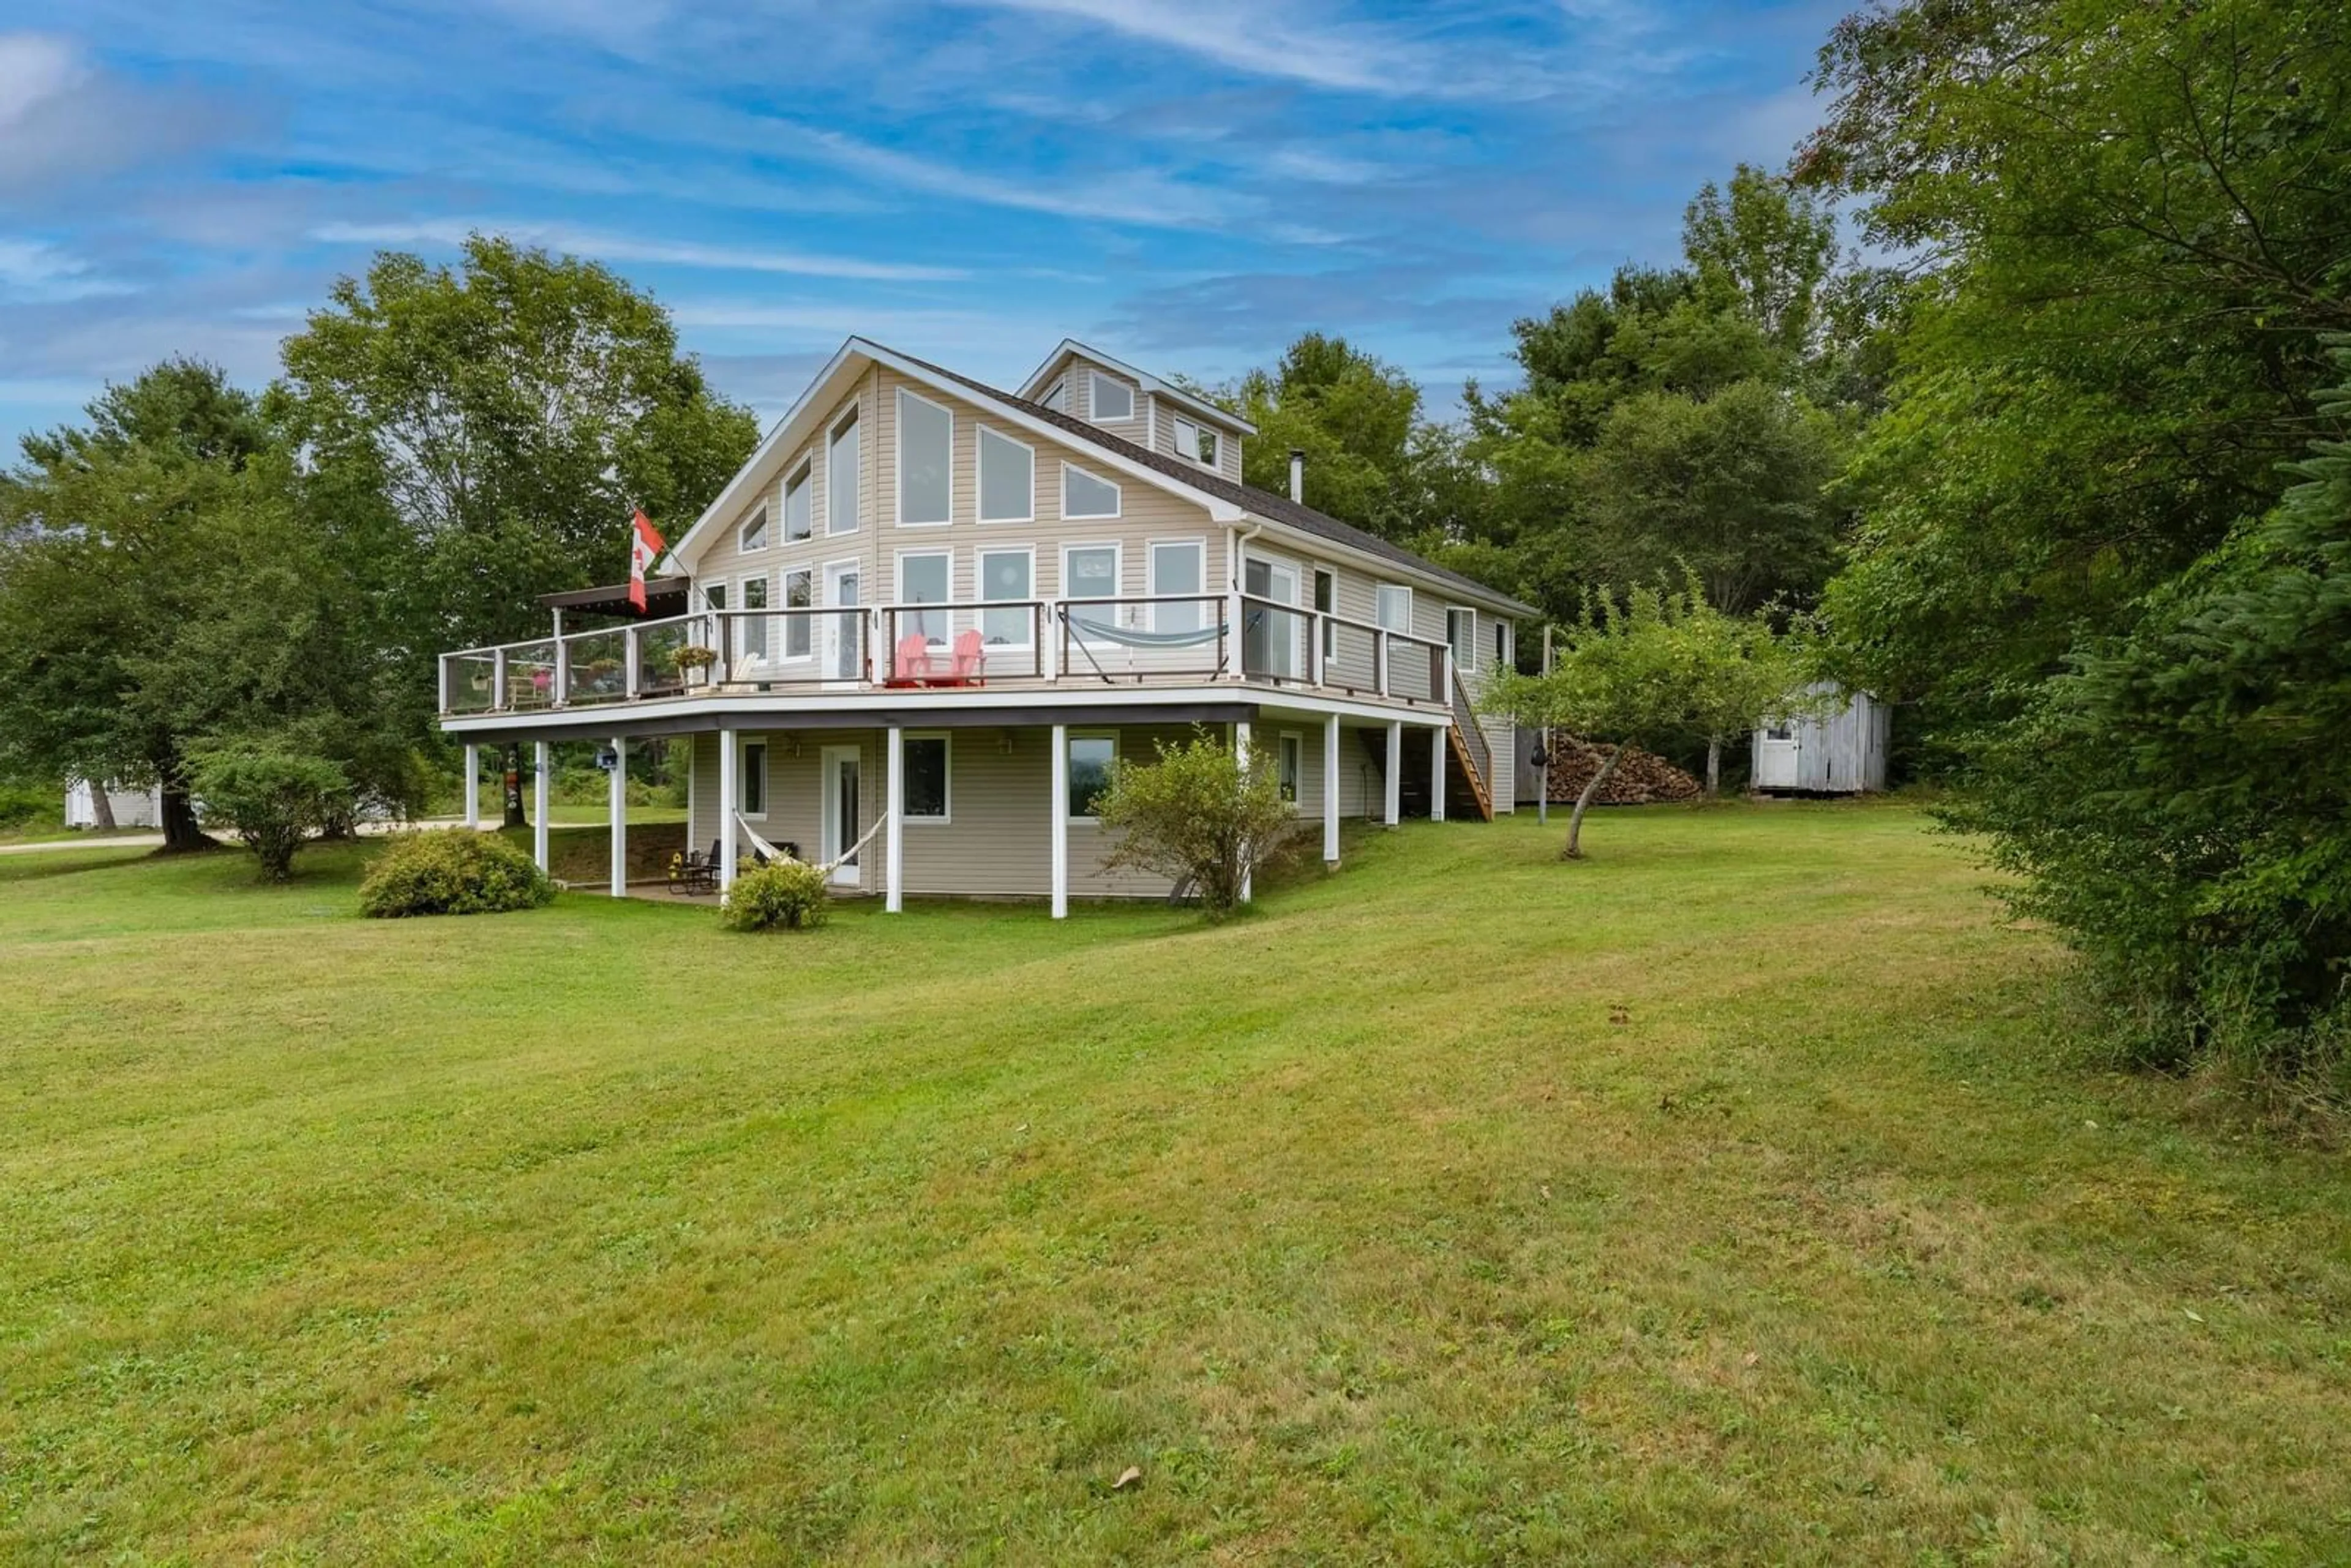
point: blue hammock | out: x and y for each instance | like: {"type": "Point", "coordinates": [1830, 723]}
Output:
{"type": "Point", "coordinates": [1128, 638]}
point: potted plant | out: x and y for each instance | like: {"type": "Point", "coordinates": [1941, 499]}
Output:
{"type": "Point", "coordinates": [694, 661]}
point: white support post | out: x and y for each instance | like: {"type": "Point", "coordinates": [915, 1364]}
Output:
{"type": "Point", "coordinates": [1331, 791]}
{"type": "Point", "coordinates": [542, 765]}
{"type": "Point", "coordinates": [1061, 804]}
{"type": "Point", "coordinates": [1395, 773]}
{"type": "Point", "coordinates": [473, 785]}
{"type": "Point", "coordinates": [894, 885]}
{"type": "Point", "coordinates": [620, 817]}
{"type": "Point", "coordinates": [1436, 773]}
{"type": "Point", "coordinates": [727, 806]}
{"type": "Point", "coordinates": [1241, 752]}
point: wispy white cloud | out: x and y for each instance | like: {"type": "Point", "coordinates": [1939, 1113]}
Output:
{"type": "Point", "coordinates": [35, 68]}
{"type": "Point", "coordinates": [32, 272]}
{"type": "Point", "coordinates": [1130, 196]}
{"type": "Point", "coordinates": [606, 247]}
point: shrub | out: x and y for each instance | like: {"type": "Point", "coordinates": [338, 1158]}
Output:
{"type": "Point", "coordinates": [784, 893]}
{"type": "Point", "coordinates": [24, 804]}
{"type": "Point", "coordinates": [452, 872]}
{"type": "Point", "coordinates": [272, 798]}
{"type": "Point", "coordinates": [1197, 815]}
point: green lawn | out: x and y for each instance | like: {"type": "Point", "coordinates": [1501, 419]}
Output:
{"type": "Point", "coordinates": [1723, 1198]}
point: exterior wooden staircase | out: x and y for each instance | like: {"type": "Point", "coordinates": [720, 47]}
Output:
{"type": "Point", "coordinates": [1475, 758]}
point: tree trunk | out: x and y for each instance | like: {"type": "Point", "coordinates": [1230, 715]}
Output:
{"type": "Point", "coordinates": [101, 810]}
{"type": "Point", "coordinates": [513, 783]}
{"type": "Point", "coordinates": [1574, 850]}
{"type": "Point", "coordinates": [181, 830]}
{"type": "Point", "coordinates": [1713, 766]}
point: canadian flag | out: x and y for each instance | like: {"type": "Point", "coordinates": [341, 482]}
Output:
{"type": "Point", "coordinates": [645, 545]}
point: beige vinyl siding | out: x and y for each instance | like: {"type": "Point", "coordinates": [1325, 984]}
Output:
{"type": "Point", "coordinates": [725, 560]}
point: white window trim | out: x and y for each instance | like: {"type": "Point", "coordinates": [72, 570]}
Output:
{"type": "Point", "coordinates": [832, 437]}
{"type": "Point", "coordinates": [743, 746]}
{"type": "Point", "coordinates": [1314, 602]}
{"type": "Point", "coordinates": [762, 517]}
{"type": "Point", "coordinates": [1117, 492]}
{"type": "Point", "coordinates": [804, 471]}
{"type": "Point", "coordinates": [898, 475]}
{"type": "Point", "coordinates": [898, 587]}
{"type": "Point", "coordinates": [1190, 450]}
{"type": "Point", "coordinates": [742, 602]}
{"type": "Point", "coordinates": [1151, 548]}
{"type": "Point", "coordinates": [787, 621]}
{"type": "Point", "coordinates": [1059, 389]}
{"type": "Point", "coordinates": [1078, 734]}
{"type": "Point", "coordinates": [1378, 590]}
{"type": "Point", "coordinates": [1462, 661]}
{"type": "Point", "coordinates": [1294, 741]}
{"type": "Point", "coordinates": [1093, 400]}
{"type": "Point", "coordinates": [1117, 577]}
{"type": "Point", "coordinates": [979, 592]}
{"type": "Point", "coordinates": [946, 738]}
{"type": "Point", "coordinates": [980, 475]}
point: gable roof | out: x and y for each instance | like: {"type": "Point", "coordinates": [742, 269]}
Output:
{"type": "Point", "coordinates": [1037, 383]}
{"type": "Point", "coordinates": [1263, 504]}
{"type": "Point", "coordinates": [1227, 502]}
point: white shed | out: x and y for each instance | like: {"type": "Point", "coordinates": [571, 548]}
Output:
{"type": "Point", "coordinates": [131, 808]}
{"type": "Point", "coordinates": [1841, 753]}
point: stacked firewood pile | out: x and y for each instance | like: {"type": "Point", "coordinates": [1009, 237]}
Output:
{"type": "Point", "coordinates": [1642, 778]}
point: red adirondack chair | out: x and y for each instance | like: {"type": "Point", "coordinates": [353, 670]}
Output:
{"type": "Point", "coordinates": [968, 658]}
{"type": "Point", "coordinates": [912, 666]}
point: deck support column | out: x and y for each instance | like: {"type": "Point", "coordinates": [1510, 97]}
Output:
{"type": "Point", "coordinates": [620, 817]}
{"type": "Point", "coordinates": [729, 753]}
{"type": "Point", "coordinates": [473, 785]}
{"type": "Point", "coordinates": [1436, 773]}
{"type": "Point", "coordinates": [1061, 807]}
{"type": "Point", "coordinates": [1331, 791]}
{"type": "Point", "coordinates": [894, 883]}
{"type": "Point", "coordinates": [1395, 770]}
{"type": "Point", "coordinates": [1241, 754]}
{"type": "Point", "coordinates": [541, 766]}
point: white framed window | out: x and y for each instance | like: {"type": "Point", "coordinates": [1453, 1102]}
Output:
{"type": "Point", "coordinates": [1196, 442]}
{"type": "Point", "coordinates": [925, 462]}
{"type": "Point", "coordinates": [1113, 400]}
{"type": "Point", "coordinates": [1007, 572]}
{"type": "Point", "coordinates": [925, 577]}
{"type": "Point", "coordinates": [1008, 478]}
{"type": "Point", "coordinates": [799, 593]}
{"type": "Point", "coordinates": [799, 521]}
{"type": "Point", "coordinates": [1083, 496]}
{"type": "Point", "coordinates": [1093, 756]}
{"type": "Point", "coordinates": [714, 595]}
{"type": "Point", "coordinates": [1057, 400]}
{"type": "Point", "coordinates": [1326, 600]}
{"type": "Point", "coordinates": [755, 532]}
{"type": "Point", "coordinates": [840, 466]}
{"type": "Point", "coordinates": [753, 640]}
{"type": "Point", "coordinates": [1090, 572]}
{"type": "Point", "coordinates": [1394, 604]}
{"type": "Point", "coordinates": [1178, 566]}
{"type": "Point", "coordinates": [1290, 759]}
{"type": "Point", "coordinates": [752, 783]}
{"type": "Point", "coordinates": [1461, 635]}
{"type": "Point", "coordinates": [925, 758]}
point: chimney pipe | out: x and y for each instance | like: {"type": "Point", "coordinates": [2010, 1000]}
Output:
{"type": "Point", "coordinates": [1298, 474]}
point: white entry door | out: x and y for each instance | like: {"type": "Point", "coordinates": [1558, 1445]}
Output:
{"type": "Point", "coordinates": [1268, 637]}
{"type": "Point", "coordinates": [1779, 763]}
{"type": "Point", "coordinates": [841, 830]}
{"type": "Point", "coordinates": [844, 635]}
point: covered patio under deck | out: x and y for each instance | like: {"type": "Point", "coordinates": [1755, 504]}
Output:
{"type": "Point", "coordinates": [993, 813]}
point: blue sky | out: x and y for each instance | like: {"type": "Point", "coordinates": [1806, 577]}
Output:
{"type": "Point", "coordinates": [1187, 185]}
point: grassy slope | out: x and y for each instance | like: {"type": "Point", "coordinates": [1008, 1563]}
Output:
{"type": "Point", "coordinates": [1357, 1225]}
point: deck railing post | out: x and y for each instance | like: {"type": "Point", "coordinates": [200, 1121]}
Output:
{"type": "Point", "coordinates": [1046, 649]}
{"type": "Point", "coordinates": [498, 700]}
{"type": "Point", "coordinates": [562, 673]}
{"type": "Point", "coordinates": [631, 652]}
{"type": "Point", "coordinates": [444, 681]}
{"type": "Point", "coordinates": [1379, 660]}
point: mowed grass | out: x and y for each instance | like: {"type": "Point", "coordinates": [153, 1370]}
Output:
{"type": "Point", "coordinates": [1730, 1196]}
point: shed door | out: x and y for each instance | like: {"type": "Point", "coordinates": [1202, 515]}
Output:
{"type": "Point", "coordinates": [1777, 759]}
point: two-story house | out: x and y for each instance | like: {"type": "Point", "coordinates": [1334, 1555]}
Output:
{"type": "Point", "coordinates": [934, 614]}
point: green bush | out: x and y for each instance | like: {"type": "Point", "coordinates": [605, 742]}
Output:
{"type": "Point", "coordinates": [31, 805]}
{"type": "Point", "coordinates": [271, 797]}
{"type": "Point", "coordinates": [785, 893]}
{"type": "Point", "coordinates": [452, 872]}
{"type": "Point", "coordinates": [1198, 816]}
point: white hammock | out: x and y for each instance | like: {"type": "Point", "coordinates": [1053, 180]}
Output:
{"type": "Point", "coordinates": [773, 853]}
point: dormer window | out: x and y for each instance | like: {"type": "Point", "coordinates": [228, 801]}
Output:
{"type": "Point", "coordinates": [1113, 401]}
{"type": "Point", "coordinates": [1196, 441]}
